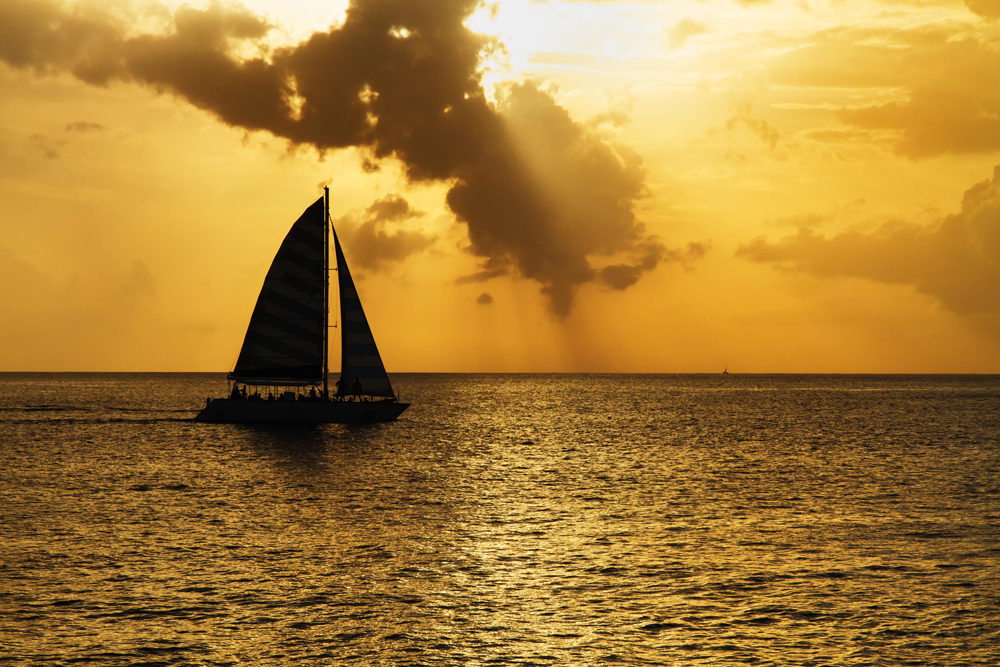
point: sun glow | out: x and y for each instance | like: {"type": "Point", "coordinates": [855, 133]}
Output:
{"type": "Point", "coordinates": [783, 185]}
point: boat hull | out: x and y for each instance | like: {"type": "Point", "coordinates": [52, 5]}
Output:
{"type": "Point", "coordinates": [234, 411]}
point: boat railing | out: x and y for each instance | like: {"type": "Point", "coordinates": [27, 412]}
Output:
{"type": "Point", "coordinates": [278, 393]}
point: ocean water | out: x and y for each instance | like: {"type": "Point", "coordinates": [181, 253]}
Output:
{"type": "Point", "coordinates": [506, 520]}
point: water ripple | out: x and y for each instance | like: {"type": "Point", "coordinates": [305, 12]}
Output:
{"type": "Point", "coordinates": [508, 520]}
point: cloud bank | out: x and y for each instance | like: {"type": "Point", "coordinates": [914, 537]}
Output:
{"type": "Point", "coordinates": [985, 8]}
{"type": "Point", "coordinates": [542, 195]}
{"type": "Point", "coordinates": [956, 261]}
{"type": "Point", "coordinates": [948, 73]}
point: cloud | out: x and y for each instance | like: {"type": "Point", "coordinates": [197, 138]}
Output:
{"type": "Point", "coordinates": [985, 8]}
{"type": "Point", "coordinates": [956, 260]}
{"type": "Point", "coordinates": [684, 30]}
{"type": "Point", "coordinates": [540, 193]}
{"type": "Point", "coordinates": [946, 74]}
{"type": "Point", "coordinates": [49, 36]}
{"type": "Point", "coordinates": [549, 197]}
{"type": "Point", "coordinates": [391, 208]}
{"type": "Point", "coordinates": [757, 126]}
{"type": "Point", "coordinates": [83, 127]}
{"type": "Point", "coordinates": [623, 276]}
{"type": "Point", "coordinates": [484, 299]}
{"type": "Point", "coordinates": [372, 245]}
{"type": "Point", "coordinates": [47, 148]}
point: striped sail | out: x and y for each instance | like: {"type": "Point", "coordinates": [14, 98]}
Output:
{"type": "Point", "coordinates": [284, 342]}
{"type": "Point", "coordinates": [360, 360]}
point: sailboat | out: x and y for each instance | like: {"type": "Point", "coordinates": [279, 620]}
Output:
{"type": "Point", "coordinates": [281, 374]}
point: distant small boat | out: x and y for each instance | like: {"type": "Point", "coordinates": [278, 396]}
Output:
{"type": "Point", "coordinates": [726, 370]}
{"type": "Point", "coordinates": [282, 371]}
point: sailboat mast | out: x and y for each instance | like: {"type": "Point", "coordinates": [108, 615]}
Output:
{"type": "Point", "coordinates": [326, 289]}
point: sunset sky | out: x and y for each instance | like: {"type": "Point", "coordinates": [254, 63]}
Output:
{"type": "Point", "coordinates": [673, 186]}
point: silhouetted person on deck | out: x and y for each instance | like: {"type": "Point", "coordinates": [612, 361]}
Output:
{"type": "Point", "coordinates": [340, 389]}
{"type": "Point", "coordinates": [236, 392]}
{"type": "Point", "coordinates": [357, 389]}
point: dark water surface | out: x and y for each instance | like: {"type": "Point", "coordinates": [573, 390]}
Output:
{"type": "Point", "coordinates": [510, 520]}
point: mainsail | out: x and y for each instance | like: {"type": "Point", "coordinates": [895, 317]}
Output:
{"type": "Point", "coordinates": [285, 339]}
{"type": "Point", "coordinates": [360, 360]}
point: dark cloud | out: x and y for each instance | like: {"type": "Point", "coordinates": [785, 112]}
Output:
{"type": "Point", "coordinates": [375, 247]}
{"type": "Point", "coordinates": [541, 194]}
{"type": "Point", "coordinates": [48, 36]}
{"type": "Point", "coordinates": [390, 209]}
{"type": "Point", "coordinates": [484, 299]}
{"type": "Point", "coordinates": [549, 197]}
{"type": "Point", "coordinates": [956, 261]}
{"type": "Point", "coordinates": [623, 276]}
{"type": "Point", "coordinates": [949, 75]}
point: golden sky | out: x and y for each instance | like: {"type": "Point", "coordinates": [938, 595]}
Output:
{"type": "Point", "coordinates": [673, 186]}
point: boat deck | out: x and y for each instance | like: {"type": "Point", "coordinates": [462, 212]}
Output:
{"type": "Point", "coordinates": [229, 410]}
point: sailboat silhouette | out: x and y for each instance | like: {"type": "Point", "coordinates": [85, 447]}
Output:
{"type": "Point", "coordinates": [286, 348]}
